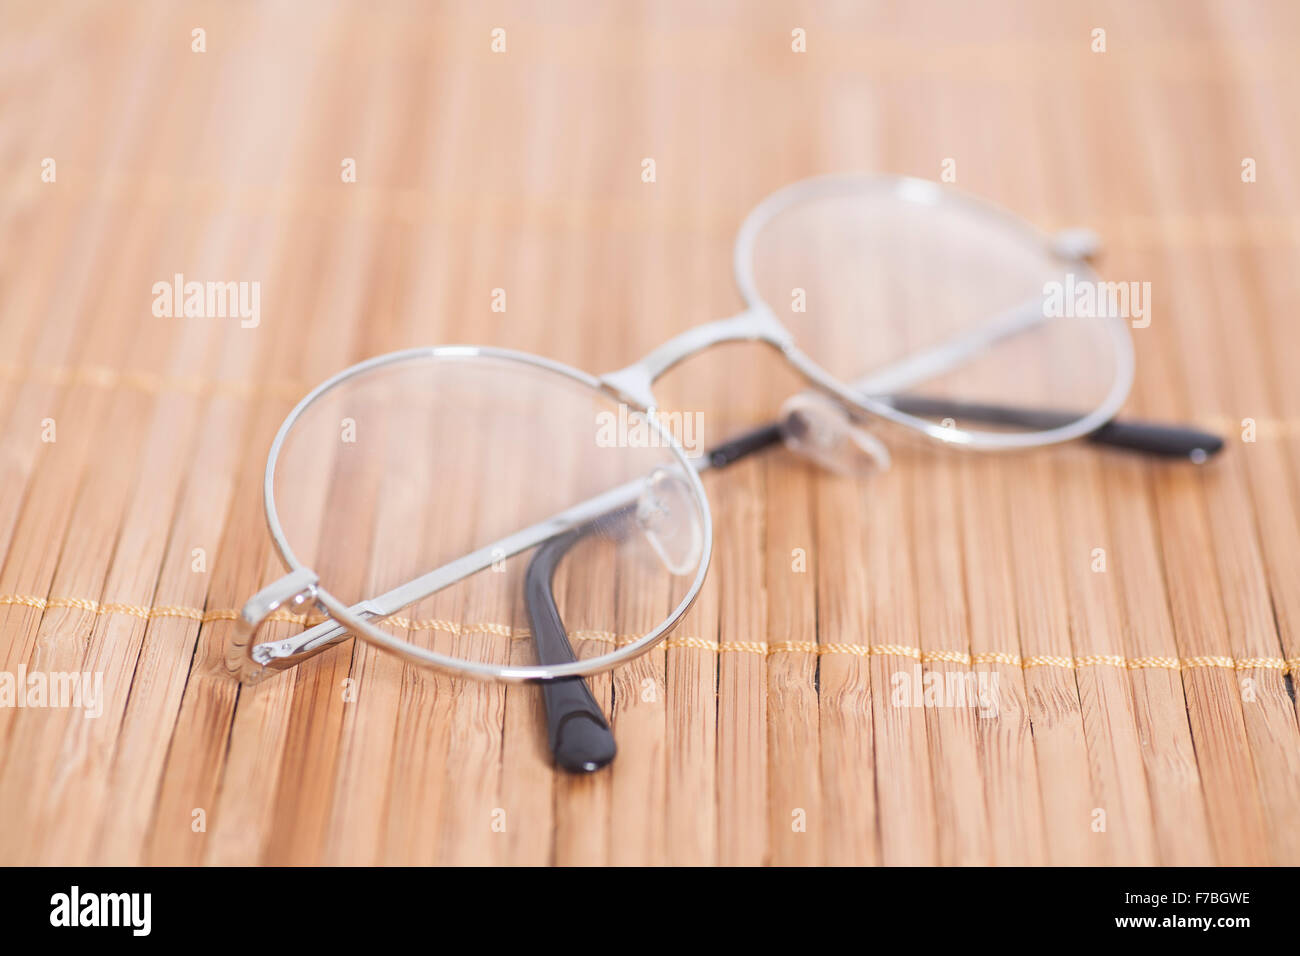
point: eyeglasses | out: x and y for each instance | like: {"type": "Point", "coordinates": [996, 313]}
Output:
{"type": "Point", "coordinates": [543, 524]}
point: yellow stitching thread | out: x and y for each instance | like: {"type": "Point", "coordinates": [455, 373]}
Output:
{"type": "Point", "coordinates": [80, 604]}
{"type": "Point", "coordinates": [696, 643]}
{"type": "Point", "coordinates": [743, 647]}
{"type": "Point", "coordinates": [603, 637]}
{"type": "Point", "coordinates": [1049, 660]}
{"type": "Point", "coordinates": [1270, 663]}
{"type": "Point", "coordinates": [1165, 663]}
{"type": "Point", "coordinates": [230, 615]}
{"type": "Point", "coordinates": [792, 647]}
{"type": "Point", "coordinates": [1283, 665]}
{"type": "Point", "coordinates": [948, 657]}
{"type": "Point", "coordinates": [1094, 660]}
{"type": "Point", "coordinates": [896, 650]}
{"type": "Point", "coordinates": [1210, 662]}
{"type": "Point", "coordinates": [134, 610]}
{"type": "Point", "coordinates": [851, 650]}
{"type": "Point", "coordinates": [193, 613]}
{"type": "Point", "coordinates": [23, 600]}
{"type": "Point", "coordinates": [996, 657]}
{"type": "Point", "coordinates": [501, 630]}
{"type": "Point", "coordinates": [427, 624]}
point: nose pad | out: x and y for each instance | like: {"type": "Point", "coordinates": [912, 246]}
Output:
{"type": "Point", "coordinates": [670, 521]}
{"type": "Point", "coordinates": [818, 428]}
{"type": "Point", "coordinates": [1077, 244]}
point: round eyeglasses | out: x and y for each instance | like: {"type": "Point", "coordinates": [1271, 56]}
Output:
{"type": "Point", "coordinates": [502, 516]}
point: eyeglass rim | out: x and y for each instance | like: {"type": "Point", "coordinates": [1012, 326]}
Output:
{"type": "Point", "coordinates": [931, 193]}
{"type": "Point", "coordinates": [482, 670]}
{"type": "Point", "coordinates": [758, 323]}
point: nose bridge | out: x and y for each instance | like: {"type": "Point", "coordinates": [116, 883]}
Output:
{"type": "Point", "coordinates": [635, 383]}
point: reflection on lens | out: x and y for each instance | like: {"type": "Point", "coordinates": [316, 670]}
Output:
{"type": "Point", "coordinates": [944, 308]}
{"type": "Point", "coordinates": [456, 467]}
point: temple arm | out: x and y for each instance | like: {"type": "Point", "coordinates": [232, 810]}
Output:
{"type": "Point", "coordinates": [1167, 441]}
{"type": "Point", "coordinates": [579, 735]}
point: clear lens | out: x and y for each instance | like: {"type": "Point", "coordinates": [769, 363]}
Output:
{"type": "Point", "coordinates": [952, 311]}
{"type": "Point", "coordinates": [449, 469]}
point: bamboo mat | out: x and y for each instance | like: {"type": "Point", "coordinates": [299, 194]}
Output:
{"type": "Point", "coordinates": [1147, 712]}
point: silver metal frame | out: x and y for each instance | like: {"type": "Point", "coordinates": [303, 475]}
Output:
{"type": "Point", "coordinates": [634, 385]}
{"type": "Point", "coordinates": [948, 355]}
{"type": "Point", "coordinates": [301, 586]}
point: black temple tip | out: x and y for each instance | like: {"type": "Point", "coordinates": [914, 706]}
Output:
{"type": "Point", "coordinates": [583, 744]}
{"type": "Point", "coordinates": [1166, 441]}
